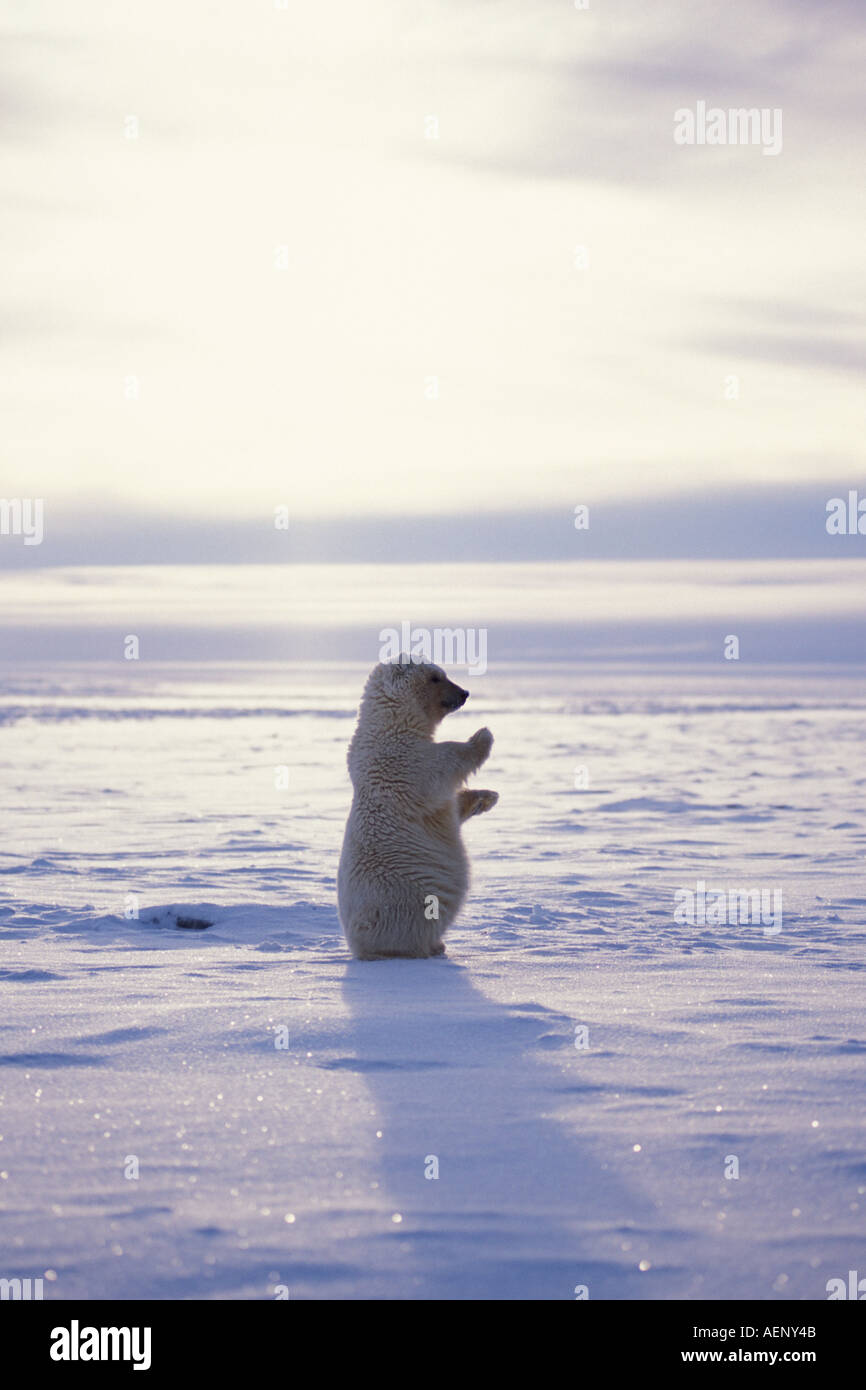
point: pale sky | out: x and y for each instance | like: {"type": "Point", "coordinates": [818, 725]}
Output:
{"type": "Point", "coordinates": [409, 258]}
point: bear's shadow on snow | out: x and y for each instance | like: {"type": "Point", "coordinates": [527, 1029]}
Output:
{"type": "Point", "coordinates": [455, 1078]}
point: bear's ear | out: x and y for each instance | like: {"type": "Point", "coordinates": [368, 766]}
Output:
{"type": "Point", "coordinates": [395, 673]}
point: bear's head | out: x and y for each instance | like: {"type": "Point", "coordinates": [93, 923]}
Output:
{"type": "Point", "coordinates": [419, 690]}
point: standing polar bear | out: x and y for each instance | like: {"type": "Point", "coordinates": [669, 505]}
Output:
{"type": "Point", "coordinates": [403, 872]}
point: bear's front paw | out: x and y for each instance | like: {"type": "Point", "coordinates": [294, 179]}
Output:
{"type": "Point", "coordinates": [475, 803]}
{"type": "Point", "coordinates": [480, 745]}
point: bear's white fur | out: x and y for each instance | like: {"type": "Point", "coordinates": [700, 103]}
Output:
{"type": "Point", "coordinates": [403, 871]}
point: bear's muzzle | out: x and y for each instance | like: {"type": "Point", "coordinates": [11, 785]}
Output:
{"type": "Point", "coordinates": [454, 697]}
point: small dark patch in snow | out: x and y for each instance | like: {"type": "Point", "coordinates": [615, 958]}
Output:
{"type": "Point", "coordinates": [554, 1040]}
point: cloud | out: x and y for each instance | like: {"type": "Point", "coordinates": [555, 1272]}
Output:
{"type": "Point", "coordinates": [756, 522]}
{"type": "Point", "coordinates": [809, 350]}
{"type": "Point", "coordinates": [411, 261]}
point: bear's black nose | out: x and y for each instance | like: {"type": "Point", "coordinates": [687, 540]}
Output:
{"type": "Point", "coordinates": [453, 697]}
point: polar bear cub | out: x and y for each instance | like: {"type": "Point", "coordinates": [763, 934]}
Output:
{"type": "Point", "coordinates": [403, 871]}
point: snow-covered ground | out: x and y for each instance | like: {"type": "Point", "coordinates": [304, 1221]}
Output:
{"type": "Point", "coordinates": [285, 1108]}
